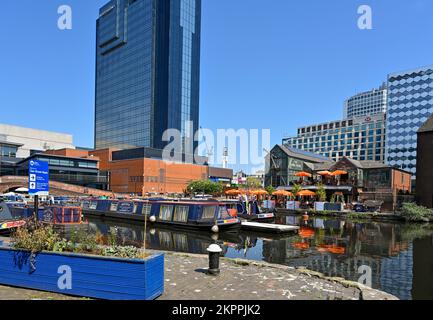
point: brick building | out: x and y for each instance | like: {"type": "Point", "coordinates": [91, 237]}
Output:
{"type": "Point", "coordinates": [142, 170]}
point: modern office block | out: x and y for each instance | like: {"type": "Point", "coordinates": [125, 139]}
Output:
{"type": "Point", "coordinates": [410, 104]}
{"type": "Point", "coordinates": [147, 71]}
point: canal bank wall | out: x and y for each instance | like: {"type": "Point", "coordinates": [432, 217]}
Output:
{"type": "Point", "coordinates": [373, 216]}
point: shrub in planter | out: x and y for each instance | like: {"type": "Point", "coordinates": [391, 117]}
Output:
{"type": "Point", "coordinates": [41, 260]}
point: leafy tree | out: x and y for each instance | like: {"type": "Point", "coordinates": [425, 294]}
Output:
{"type": "Point", "coordinates": [321, 193]}
{"type": "Point", "coordinates": [270, 189]}
{"type": "Point", "coordinates": [204, 187]}
{"type": "Point", "coordinates": [296, 189]}
{"type": "Point", "coordinates": [253, 183]}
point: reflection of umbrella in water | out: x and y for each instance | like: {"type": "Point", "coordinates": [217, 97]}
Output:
{"type": "Point", "coordinates": [301, 245]}
{"type": "Point", "coordinates": [306, 232]}
{"type": "Point", "coordinates": [331, 248]}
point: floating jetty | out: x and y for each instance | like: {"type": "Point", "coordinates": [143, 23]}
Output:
{"type": "Point", "coordinates": [268, 227]}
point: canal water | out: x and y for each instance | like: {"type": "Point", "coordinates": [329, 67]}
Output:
{"type": "Point", "coordinates": [400, 256]}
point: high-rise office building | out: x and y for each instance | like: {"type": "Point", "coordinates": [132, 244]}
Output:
{"type": "Point", "coordinates": [366, 104]}
{"type": "Point", "coordinates": [147, 71]}
{"type": "Point", "coordinates": [360, 138]}
{"type": "Point", "coordinates": [410, 104]}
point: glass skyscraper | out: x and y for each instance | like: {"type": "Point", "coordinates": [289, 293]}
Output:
{"type": "Point", "coordinates": [366, 104]}
{"type": "Point", "coordinates": [147, 71]}
{"type": "Point", "coordinates": [410, 104]}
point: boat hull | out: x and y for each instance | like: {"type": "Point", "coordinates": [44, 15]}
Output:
{"type": "Point", "coordinates": [203, 226]}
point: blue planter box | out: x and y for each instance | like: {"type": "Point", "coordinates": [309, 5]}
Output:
{"type": "Point", "coordinates": [84, 275]}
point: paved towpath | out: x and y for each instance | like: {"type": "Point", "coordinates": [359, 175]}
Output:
{"type": "Point", "coordinates": [186, 279]}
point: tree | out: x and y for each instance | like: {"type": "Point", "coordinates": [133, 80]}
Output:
{"type": "Point", "coordinates": [253, 183]}
{"type": "Point", "coordinates": [321, 193]}
{"type": "Point", "coordinates": [270, 189]}
{"type": "Point", "coordinates": [296, 189]}
{"type": "Point", "coordinates": [204, 187]}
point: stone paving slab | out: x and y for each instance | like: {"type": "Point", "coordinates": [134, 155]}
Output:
{"type": "Point", "coordinates": [186, 279]}
{"type": "Point", "coordinates": [10, 293]}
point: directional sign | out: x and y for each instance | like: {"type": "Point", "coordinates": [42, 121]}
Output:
{"type": "Point", "coordinates": [38, 178]}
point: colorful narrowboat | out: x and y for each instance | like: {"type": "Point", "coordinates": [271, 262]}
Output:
{"type": "Point", "coordinates": [210, 215]}
{"type": "Point", "coordinates": [250, 211]}
{"type": "Point", "coordinates": [12, 215]}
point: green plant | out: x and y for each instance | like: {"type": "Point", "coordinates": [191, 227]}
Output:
{"type": "Point", "coordinates": [270, 189]}
{"type": "Point", "coordinates": [253, 183]}
{"type": "Point", "coordinates": [122, 252]}
{"type": "Point", "coordinates": [296, 189]}
{"type": "Point", "coordinates": [414, 213]}
{"type": "Point", "coordinates": [205, 187]}
{"type": "Point", "coordinates": [35, 237]}
{"type": "Point", "coordinates": [321, 193]}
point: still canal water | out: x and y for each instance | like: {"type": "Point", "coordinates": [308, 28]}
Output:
{"type": "Point", "coordinates": [399, 255]}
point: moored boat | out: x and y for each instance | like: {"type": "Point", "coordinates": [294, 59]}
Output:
{"type": "Point", "coordinates": [250, 211]}
{"type": "Point", "coordinates": [12, 215]}
{"type": "Point", "coordinates": [211, 215]}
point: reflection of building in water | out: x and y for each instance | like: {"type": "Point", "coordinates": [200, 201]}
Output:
{"type": "Point", "coordinates": [378, 246]}
{"type": "Point", "coordinates": [396, 274]}
{"type": "Point", "coordinates": [422, 268]}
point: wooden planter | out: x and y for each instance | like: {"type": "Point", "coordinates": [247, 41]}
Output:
{"type": "Point", "coordinates": [84, 275]}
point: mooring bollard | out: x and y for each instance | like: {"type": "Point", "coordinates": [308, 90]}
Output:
{"type": "Point", "coordinates": [214, 259]}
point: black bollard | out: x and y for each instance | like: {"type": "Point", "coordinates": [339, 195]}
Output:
{"type": "Point", "coordinates": [214, 259]}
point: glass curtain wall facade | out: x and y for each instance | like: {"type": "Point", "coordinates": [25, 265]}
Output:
{"type": "Point", "coordinates": [410, 104]}
{"type": "Point", "coordinates": [147, 71]}
{"type": "Point", "coordinates": [366, 103]}
{"type": "Point", "coordinates": [360, 138]}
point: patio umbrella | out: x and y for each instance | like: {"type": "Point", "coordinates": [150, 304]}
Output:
{"type": "Point", "coordinates": [303, 174]}
{"type": "Point", "coordinates": [306, 193]}
{"type": "Point", "coordinates": [233, 192]}
{"type": "Point", "coordinates": [324, 173]}
{"type": "Point", "coordinates": [283, 193]}
{"type": "Point", "coordinates": [338, 173]}
{"type": "Point", "coordinates": [259, 192]}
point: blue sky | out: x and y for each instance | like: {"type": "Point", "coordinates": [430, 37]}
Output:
{"type": "Point", "coordinates": [274, 64]}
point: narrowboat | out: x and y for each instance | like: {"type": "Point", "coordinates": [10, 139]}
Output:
{"type": "Point", "coordinates": [63, 219]}
{"type": "Point", "coordinates": [250, 211]}
{"type": "Point", "coordinates": [207, 215]}
{"type": "Point", "coordinates": [12, 215]}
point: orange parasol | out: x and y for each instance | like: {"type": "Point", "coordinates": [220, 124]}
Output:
{"type": "Point", "coordinates": [303, 174]}
{"type": "Point", "coordinates": [306, 193]}
{"type": "Point", "coordinates": [338, 173]}
{"type": "Point", "coordinates": [233, 192]}
{"type": "Point", "coordinates": [259, 192]}
{"type": "Point", "coordinates": [283, 193]}
{"type": "Point", "coordinates": [324, 173]}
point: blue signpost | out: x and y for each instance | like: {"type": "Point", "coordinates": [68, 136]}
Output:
{"type": "Point", "coordinates": [39, 184]}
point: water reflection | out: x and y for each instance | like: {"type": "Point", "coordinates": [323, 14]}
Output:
{"type": "Point", "coordinates": [399, 255]}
